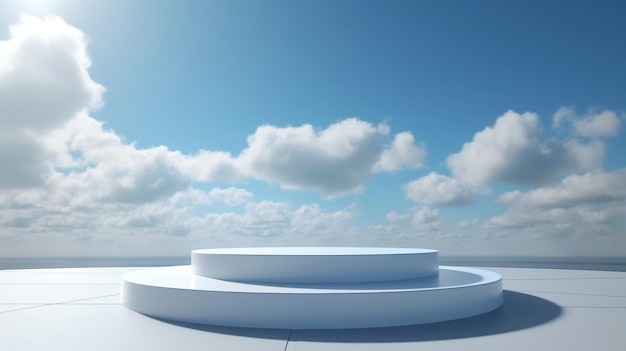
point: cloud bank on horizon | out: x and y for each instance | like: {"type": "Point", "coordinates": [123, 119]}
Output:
{"type": "Point", "coordinates": [67, 182]}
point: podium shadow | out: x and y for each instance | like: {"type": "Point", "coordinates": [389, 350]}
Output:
{"type": "Point", "coordinates": [518, 311]}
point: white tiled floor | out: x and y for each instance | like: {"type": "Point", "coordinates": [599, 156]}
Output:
{"type": "Point", "coordinates": [79, 309]}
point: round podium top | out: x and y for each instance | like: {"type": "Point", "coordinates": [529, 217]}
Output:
{"type": "Point", "coordinates": [313, 251]}
{"type": "Point", "coordinates": [315, 264]}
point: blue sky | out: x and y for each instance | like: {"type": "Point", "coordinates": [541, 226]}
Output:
{"type": "Point", "coordinates": [155, 127]}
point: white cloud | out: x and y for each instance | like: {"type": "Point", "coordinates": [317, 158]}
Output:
{"type": "Point", "coordinates": [23, 160]}
{"type": "Point", "coordinates": [526, 218]}
{"type": "Point", "coordinates": [43, 75]}
{"type": "Point", "coordinates": [605, 123]}
{"type": "Point", "coordinates": [67, 179]}
{"type": "Point", "coordinates": [582, 218]}
{"type": "Point", "coordinates": [231, 196]}
{"type": "Point", "coordinates": [592, 125]}
{"type": "Point", "coordinates": [114, 171]}
{"type": "Point", "coordinates": [562, 114]}
{"type": "Point", "coordinates": [43, 84]}
{"type": "Point", "coordinates": [67, 183]}
{"type": "Point", "coordinates": [333, 161]}
{"type": "Point", "coordinates": [403, 153]}
{"type": "Point", "coordinates": [48, 132]}
{"type": "Point", "coordinates": [154, 224]}
{"type": "Point", "coordinates": [418, 220]}
{"type": "Point", "coordinates": [592, 187]}
{"type": "Point", "coordinates": [426, 216]}
{"type": "Point", "coordinates": [513, 152]}
{"type": "Point", "coordinates": [278, 223]}
{"type": "Point", "coordinates": [268, 213]}
{"type": "Point", "coordinates": [438, 190]}
{"type": "Point", "coordinates": [55, 133]}
{"type": "Point", "coordinates": [466, 223]}
{"type": "Point", "coordinates": [587, 156]}
{"type": "Point", "coordinates": [209, 166]}
{"type": "Point", "coordinates": [395, 217]}
{"type": "Point", "coordinates": [313, 221]}
{"type": "Point", "coordinates": [383, 128]}
{"type": "Point", "coordinates": [581, 208]}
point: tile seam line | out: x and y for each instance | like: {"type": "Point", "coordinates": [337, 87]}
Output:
{"type": "Point", "coordinates": [70, 302]}
{"type": "Point", "coordinates": [287, 341]}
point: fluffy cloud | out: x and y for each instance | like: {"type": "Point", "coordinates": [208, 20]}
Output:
{"type": "Point", "coordinates": [231, 196]}
{"type": "Point", "coordinates": [579, 206]}
{"type": "Point", "coordinates": [425, 216]}
{"type": "Point", "coordinates": [44, 83]}
{"type": "Point", "coordinates": [107, 169]}
{"type": "Point", "coordinates": [276, 222]}
{"type": "Point", "coordinates": [420, 218]}
{"type": "Point", "coordinates": [209, 166]}
{"type": "Point", "coordinates": [395, 217]}
{"type": "Point", "coordinates": [583, 218]}
{"type": "Point", "coordinates": [43, 75]}
{"type": "Point", "coordinates": [592, 125]}
{"type": "Point", "coordinates": [578, 209]}
{"type": "Point", "coordinates": [49, 141]}
{"type": "Point", "coordinates": [513, 152]}
{"type": "Point", "coordinates": [312, 220]}
{"type": "Point", "coordinates": [46, 92]}
{"type": "Point", "coordinates": [336, 160]}
{"type": "Point", "coordinates": [592, 187]}
{"type": "Point", "coordinates": [66, 180]}
{"type": "Point", "coordinates": [152, 226]}
{"type": "Point", "coordinates": [403, 153]}
{"type": "Point", "coordinates": [23, 160]}
{"type": "Point", "coordinates": [523, 218]}
{"type": "Point", "coordinates": [66, 176]}
{"type": "Point", "coordinates": [439, 190]}
{"type": "Point", "coordinates": [586, 156]}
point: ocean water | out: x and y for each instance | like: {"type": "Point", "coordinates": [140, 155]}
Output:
{"type": "Point", "coordinates": [72, 262]}
{"type": "Point", "coordinates": [583, 263]}
{"type": "Point", "coordinates": [602, 263]}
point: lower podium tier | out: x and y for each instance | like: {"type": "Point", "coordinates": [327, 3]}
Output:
{"type": "Point", "coordinates": [175, 293]}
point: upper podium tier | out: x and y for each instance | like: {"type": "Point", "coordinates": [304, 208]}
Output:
{"type": "Point", "coordinates": [312, 265]}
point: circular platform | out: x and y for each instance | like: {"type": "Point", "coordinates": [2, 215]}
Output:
{"type": "Point", "coordinates": [315, 264]}
{"type": "Point", "coordinates": [288, 293]}
{"type": "Point", "coordinates": [175, 293]}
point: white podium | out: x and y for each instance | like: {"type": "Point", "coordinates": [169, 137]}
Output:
{"type": "Point", "coordinates": [312, 288]}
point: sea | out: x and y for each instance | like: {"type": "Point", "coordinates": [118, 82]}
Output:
{"type": "Point", "coordinates": [561, 262]}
